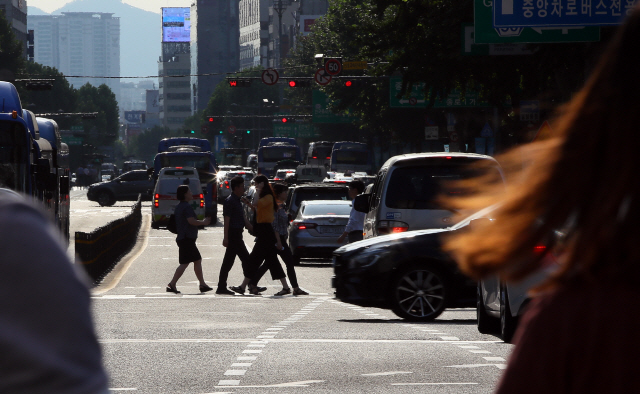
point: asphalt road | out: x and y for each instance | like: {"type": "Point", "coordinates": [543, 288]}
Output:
{"type": "Point", "coordinates": [158, 342]}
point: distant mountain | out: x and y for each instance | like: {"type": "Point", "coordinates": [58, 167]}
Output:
{"type": "Point", "coordinates": [35, 11]}
{"type": "Point", "coordinates": [140, 34]}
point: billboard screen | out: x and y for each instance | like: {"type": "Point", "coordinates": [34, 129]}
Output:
{"type": "Point", "coordinates": [176, 24]}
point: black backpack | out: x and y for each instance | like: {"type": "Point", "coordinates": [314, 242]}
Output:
{"type": "Point", "coordinates": [171, 226]}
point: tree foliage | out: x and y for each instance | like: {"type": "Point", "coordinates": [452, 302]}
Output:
{"type": "Point", "coordinates": [12, 59]}
{"type": "Point", "coordinates": [145, 146]}
{"type": "Point", "coordinates": [104, 128]}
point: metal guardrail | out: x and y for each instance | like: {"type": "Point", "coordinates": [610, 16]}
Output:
{"type": "Point", "coordinates": [100, 250]}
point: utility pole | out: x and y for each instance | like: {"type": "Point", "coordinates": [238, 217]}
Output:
{"type": "Point", "coordinates": [279, 6]}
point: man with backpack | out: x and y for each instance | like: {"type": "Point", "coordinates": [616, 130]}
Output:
{"type": "Point", "coordinates": [187, 230]}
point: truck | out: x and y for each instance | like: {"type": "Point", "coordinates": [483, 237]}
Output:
{"type": "Point", "coordinates": [191, 152]}
{"type": "Point", "coordinates": [33, 160]}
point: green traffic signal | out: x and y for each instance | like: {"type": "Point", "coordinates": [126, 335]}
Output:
{"type": "Point", "coordinates": [248, 131]}
{"type": "Point", "coordinates": [193, 131]}
{"type": "Point", "coordinates": [220, 131]}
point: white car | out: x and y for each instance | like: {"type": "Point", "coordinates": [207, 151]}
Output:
{"type": "Point", "coordinates": [165, 198]}
{"type": "Point", "coordinates": [500, 304]}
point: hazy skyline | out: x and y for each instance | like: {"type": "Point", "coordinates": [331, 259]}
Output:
{"type": "Point", "coordinates": [148, 5]}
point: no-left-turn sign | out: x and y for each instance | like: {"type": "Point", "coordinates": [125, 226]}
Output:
{"type": "Point", "coordinates": [270, 76]}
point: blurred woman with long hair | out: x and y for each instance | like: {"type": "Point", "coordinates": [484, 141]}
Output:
{"type": "Point", "coordinates": [578, 333]}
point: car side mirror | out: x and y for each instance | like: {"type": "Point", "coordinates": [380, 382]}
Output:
{"type": "Point", "coordinates": [361, 203]}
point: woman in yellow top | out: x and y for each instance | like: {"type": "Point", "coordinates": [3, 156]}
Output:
{"type": "Point", "coordinates": [267, 240]}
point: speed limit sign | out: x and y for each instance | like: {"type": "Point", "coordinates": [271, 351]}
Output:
{"type": "Point", "coordinates": [333, 66]}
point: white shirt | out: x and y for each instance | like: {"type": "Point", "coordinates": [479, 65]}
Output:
{"type": "Point", "coordinates": [356, 220]}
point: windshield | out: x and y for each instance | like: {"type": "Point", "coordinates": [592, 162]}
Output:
{"type": "Point", "coordinates": [418, 187]}
{"type": "Point", "coordinates": [351, 157]}
{"type": "Point", "coordinates": [277, 153]}
{"type": "Point", "coordinates": [200, 162]}
{"type": "Point", "coordinates": [170, 186]}
{"type": "Point", "coordinates": [328, 209]}
{"type": "Point", "coordinates": [233, 158]}
{"type": "Point", "coordinates": [13, 157]}
{"type": "Point", "coordinates": [246, 176]}
{"type": "Point", "coordinates": [336, 193]}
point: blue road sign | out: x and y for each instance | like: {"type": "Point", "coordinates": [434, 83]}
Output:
{"type": "Point", "coordinates": [542, 13]}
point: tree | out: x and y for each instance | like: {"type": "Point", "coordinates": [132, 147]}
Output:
{"type": "Point", "coordinates": [144, 146]}
{"type": "Point", "coordinates": [104, 129]}
{"type": "Point", "coordinates": [62, 98]}
{"type": "Point", "coordinates": [11, 57]}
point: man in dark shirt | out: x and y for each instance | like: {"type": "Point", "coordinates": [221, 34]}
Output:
{"type": "Point", "coordinates": [188, 252]}
{"type": "Point", "coordinates": [234, 224]}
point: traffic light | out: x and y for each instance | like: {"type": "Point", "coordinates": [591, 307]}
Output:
{"type": "Point", "coordinates": [248, 131]}
{"type": "Point", "coordinates": [299, 83]}
{"type": "Point", "coordinates": [352, 83]}
{"type": "Point", "coordinates": [189, 131]}
{"type": "Point", "coordinates": [284, 120]}
{"type": "Point", "coordinates": [239, 83]}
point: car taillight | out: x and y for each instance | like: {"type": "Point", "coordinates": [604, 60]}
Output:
{"type": "Point", "coordinates": [314, 157]}
{"type": "Point", "coordinates": [392, 227]}
{"type": "Point", "coordinates": [156, 200]}
{"type": "Point", "coordinates": [201, 196]}
{"type": "Point", "coordinates": [306, 226]}
{"type": "Point", "coordinates": [328, 158]}
{"type": "Point", "coordinates": [540, 249]}
{"type": "Point", "coordinates": [226, 184]}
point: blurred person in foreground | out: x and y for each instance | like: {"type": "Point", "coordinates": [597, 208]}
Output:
{"type": "Point", "coordinates": [578, 335]}
{"type": "Point", "coordinates": [47, 338]}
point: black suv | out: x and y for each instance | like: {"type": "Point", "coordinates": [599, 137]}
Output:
{"type": "Point", "coordinates": [314, 191]}
{"type": "Point", "coordinates": [126, 187]}
{"type": "Point", "coordinates": [408, 273]}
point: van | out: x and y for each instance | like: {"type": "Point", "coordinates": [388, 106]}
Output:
{"type": "Point", "coordinates": [319, 153]}
{"type": "Point", "coordinates": [164, 194]}
{"type": "Point", "coordinates": [404, 194]}
{"type": "Point", "coordinates": [313, 173]}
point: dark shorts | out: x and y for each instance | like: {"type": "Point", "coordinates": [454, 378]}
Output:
{"type": "Point", "coordinates": [188, 251]}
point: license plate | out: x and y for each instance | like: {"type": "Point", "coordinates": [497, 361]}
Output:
{"type": "Point", "coordinates": [330, 230]}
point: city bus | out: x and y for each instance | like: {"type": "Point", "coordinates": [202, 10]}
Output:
{"type": "Point", "coordinates": [30, 163]}
{"type": "Point", "coordinates": [234, 156]}
{"type": "Point", "coordinates": [274, 149]}
{"type": "Point", "coordinates": [351, 156]}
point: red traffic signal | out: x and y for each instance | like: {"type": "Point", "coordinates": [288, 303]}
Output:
{"type": "Point", "coordinates": [240, 83]}
{"type": "Point", "coordinates": [348, 84]}
{"type": "Point", "coordinates": [292, 83]}
{"type": "Point", "coordinates": [211, 119]}
{"type": "Point", "coordinates": [285, 120]}
{"type": "Point", "coordinates": [299, 83]}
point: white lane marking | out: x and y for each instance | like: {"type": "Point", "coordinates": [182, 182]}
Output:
{"type": "Point", "coordinates": [501, 366]}
{"type": "Point", "coordinates": [387, 373]}
{"type": "Point", "coordinates": [235, 372]}
{"type": "Point", "coordinates": [431, 384]}
{"type": "Point", "coordinates": [241, 364]}
{"type": "Point", "coordinates": [228, 383]}
{"type": "Point", "coordinates": [252, 351]}
{"type": "Point", "coordinates": [305, 383]}
{"type": "Point", "coordinates": [494, 358]}
{"type": "Point", "coordinates": [479, 351]}
{"type": "Point", "coordinates": [275, 329]}
{"type": "Point", "coordinates": [450, 338]}
{"type": "Point", "coordinates": [265, 336]}
{"type": "Point", "coordinates": [255, 345]}
{"type": "Point", "coordinates": [469, 347]}
{"type": "Point", "coordinates": [246, 358]}
{"type": "Point", "coordinates": [290, 340]}
{"type": "Point", "coordinates": [471, 365]}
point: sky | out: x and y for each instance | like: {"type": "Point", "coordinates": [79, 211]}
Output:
{"type": "Point", "coordinates": [147, 5]}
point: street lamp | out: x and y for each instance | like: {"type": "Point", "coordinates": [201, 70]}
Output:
{"type": "Point", "coordinates": [279, 6]}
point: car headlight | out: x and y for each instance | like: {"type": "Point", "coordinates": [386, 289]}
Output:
{"type": "Point", "coordinates": [367, 257]}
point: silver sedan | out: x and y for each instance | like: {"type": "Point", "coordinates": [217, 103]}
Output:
{"type": "Point", "coordinates": [316, 229]}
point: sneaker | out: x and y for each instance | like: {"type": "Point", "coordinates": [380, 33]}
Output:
{"type": "Point", "coordinates": [205, 288]}
{"type": "Point", "coordinates": [299, 291]}
{"type": "Point", "coordinates": [222, 290]}
{"type": "Point", "coordinates": [237, 289]}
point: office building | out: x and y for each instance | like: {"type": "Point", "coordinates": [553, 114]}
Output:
{"type": "Point", "coordinates": [174, 95]}
{"type": "Point", "coordinates": [83, 44]}
{"type": "Point", "coordinates": [15, 11]}
{"type": "Point", "coordinates": [215, 48]}
{"type": "Point", "coordinates": [254, 33]}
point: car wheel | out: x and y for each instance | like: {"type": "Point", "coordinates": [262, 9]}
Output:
{"type": "Point", "coordinates": [486, 324]}
{"type": "Point", "coordinates": [508, 322]}
{"type": "Point", "coordinates": [419, 293]}
{"type": "Point", "coordinates": [106, 199]}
